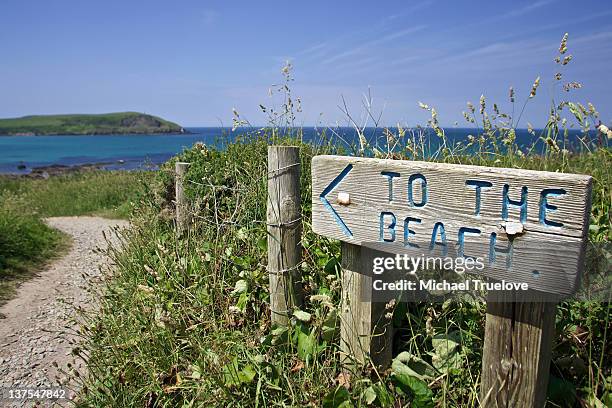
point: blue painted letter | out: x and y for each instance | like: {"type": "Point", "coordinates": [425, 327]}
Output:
{"type": "Point", "coordinates": [408, 232]}
{"type": "Point", "coordinates": [544, 206]}
{"type": "Point", "coordinates": [390, 175]}
{"type": "Point", "coordinates": [390, 227]}
{"type": "Point", "coordinates": [493, 251]}
{"type": "Point", "coordinates": [434, 234]}
{"type": "Point", "coordinates": [461, 238]}
{"type": "Point", "coordinates": [478, 185]}
{"type": "Point", "coordinates": [506, 202]}
{"type": "Point", "coordinates": [423, 190]}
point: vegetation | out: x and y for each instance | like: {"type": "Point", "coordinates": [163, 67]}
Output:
{"type": "Point", "coordinates": [81, 124]}
{"type": "Point", "coordinates": [185, 322]}
{"type": "Point", "coordinates": [27, 243]}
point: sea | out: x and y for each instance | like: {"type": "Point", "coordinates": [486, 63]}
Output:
{"type": "Point", "coordinates": [23, 154]}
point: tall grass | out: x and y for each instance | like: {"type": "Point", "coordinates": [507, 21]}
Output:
{"type": "Point", "coordinates": [186, 322]}
{"type": "Point", "coordinates": [103, 193]}
{"type": "Point", "coordinates": [26, 243]}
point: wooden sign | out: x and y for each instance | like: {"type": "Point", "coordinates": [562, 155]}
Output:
{"type": "Point", "coordinates": [529, 226]}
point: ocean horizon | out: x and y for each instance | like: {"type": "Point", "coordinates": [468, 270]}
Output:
{"type": "Point", "coordinates": [22, 154]}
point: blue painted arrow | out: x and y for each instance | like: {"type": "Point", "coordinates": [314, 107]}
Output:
{"type": "Point", "coordinates": [327, 204]}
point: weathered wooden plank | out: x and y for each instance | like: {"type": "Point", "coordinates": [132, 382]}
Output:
{"type": "Point", "coordinates": [377, 202]}
{"type": "Point", "coordinates": [517, 351]}
{"type": "Point", "coordinates": [365, 333]}
{"type": "Point", "coordinates": [284, 219]}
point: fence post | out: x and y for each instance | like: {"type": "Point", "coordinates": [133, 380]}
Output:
{"type": "Point", "coordinates": [517, 352]}
{"type": "Point", "coordinates": [365, 331]}
{"type": "Point", "coordinates": [182, 210]}
{"type": "Point", "coordinates": [284, 218]}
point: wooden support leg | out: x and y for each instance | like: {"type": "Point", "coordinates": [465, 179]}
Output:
{"type": "Point", "coordinates": [517, 350]}
{"type": "Point", "coordinates": [365, 331]}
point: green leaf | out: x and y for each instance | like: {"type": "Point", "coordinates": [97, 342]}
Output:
{"type": "Point", "coordinates": [412, 366]}
{"type": "Point", "coordinates": [338, 398]}
{"type": "Point", "coordinates": [302, 316]}
{"type": "Point", "coordinates": [240, 287]}
{"type": "Point", "coordinates": [422, 396]}
{"type": "Point", "coordinates": [306, 343]}
{"type": "Point", "coordinates": [384, 398]}
{"type": "Point", "coordinates": [369, 395]}
{"type": "Point", "coordinates": [233, 376]}
{"type": "Point", "coordinates": [447, 351]}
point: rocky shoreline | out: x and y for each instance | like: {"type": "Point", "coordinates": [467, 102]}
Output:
{"type": "Point", "coordinates": [44, 172]}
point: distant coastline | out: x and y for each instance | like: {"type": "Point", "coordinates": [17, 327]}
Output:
{"type": "Point", "coordinates": [120, 123]}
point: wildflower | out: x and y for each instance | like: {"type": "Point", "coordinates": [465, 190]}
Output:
{"type": "Point", "coordinates": [571, 85]}
{"type": "Point", "coordinates": [482, 104]}
{"type": "Point", "coordinates": [603, 129]}
{"type": "Point", "coordinates": [552, 143]}
{"type": "Point", "coordinates": [592, 110]}
{"type": "Point", "coordinates": [563, 46]}
{"type": "Point", "coordinates": [470, 106]}
{"type": "Point", "coordinates": [512, 94]}
{"type": "Point", "coordinates": [534, 88]}
{"type": "Point", "coordinates": [145, 289]}
{"type": "Point", "coordinates": [530, 128]}
{"type": "Point", "coordinates": [567, 59]}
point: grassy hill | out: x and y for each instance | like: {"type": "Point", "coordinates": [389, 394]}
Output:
{"type": "Point", "coordinates": [84, 124]}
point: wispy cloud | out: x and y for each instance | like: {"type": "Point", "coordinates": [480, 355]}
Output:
{"type": "Point", "coordinates": [369, 44]}
{"type": "Point", "coordinates": [321, 49]}
{"type": "Point", "coordinates": [526, 9]}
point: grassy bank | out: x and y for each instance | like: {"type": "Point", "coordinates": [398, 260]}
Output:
{"type": "Point", "coordinates": [186, 322]}
{"type": "Point", "coordinates": [83, 124]}
{"type": "Point", "coordinates": [27, 243]}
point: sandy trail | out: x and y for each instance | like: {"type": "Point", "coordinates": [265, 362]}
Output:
{"type": "Point", "coordinates": [33, 332]}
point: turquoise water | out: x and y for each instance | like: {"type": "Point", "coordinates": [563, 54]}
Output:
{"type": "Point", "coordinates": [19, 154]}
{"type": "Point", "coordinates": [115, 151]}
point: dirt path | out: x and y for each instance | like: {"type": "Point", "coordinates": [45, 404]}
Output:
{"type": "Point", "coordinates": [33, 333]}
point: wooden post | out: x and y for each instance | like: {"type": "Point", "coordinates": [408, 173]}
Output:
{"type": "Point", "coordinates": [284, 217]}
{"type": "Point", "coordinates": [365, 332]}
{"type": "Point", "coordinates": [517, 350]}
{"type": "Point", "coordinates": [182, 209]}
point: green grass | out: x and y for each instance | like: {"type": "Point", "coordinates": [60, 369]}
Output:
{"type": "Point", "coordinates": [102, 193]}
{"type": "Point", "coordinates": [27, 243]}
{"type": "Point", "coordinates": [84, 124]}
{"type": "Point", "coordinates": [186, 322]}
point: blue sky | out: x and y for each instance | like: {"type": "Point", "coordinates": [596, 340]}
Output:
{"type": "Point", "coordinates": [193, 61]}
